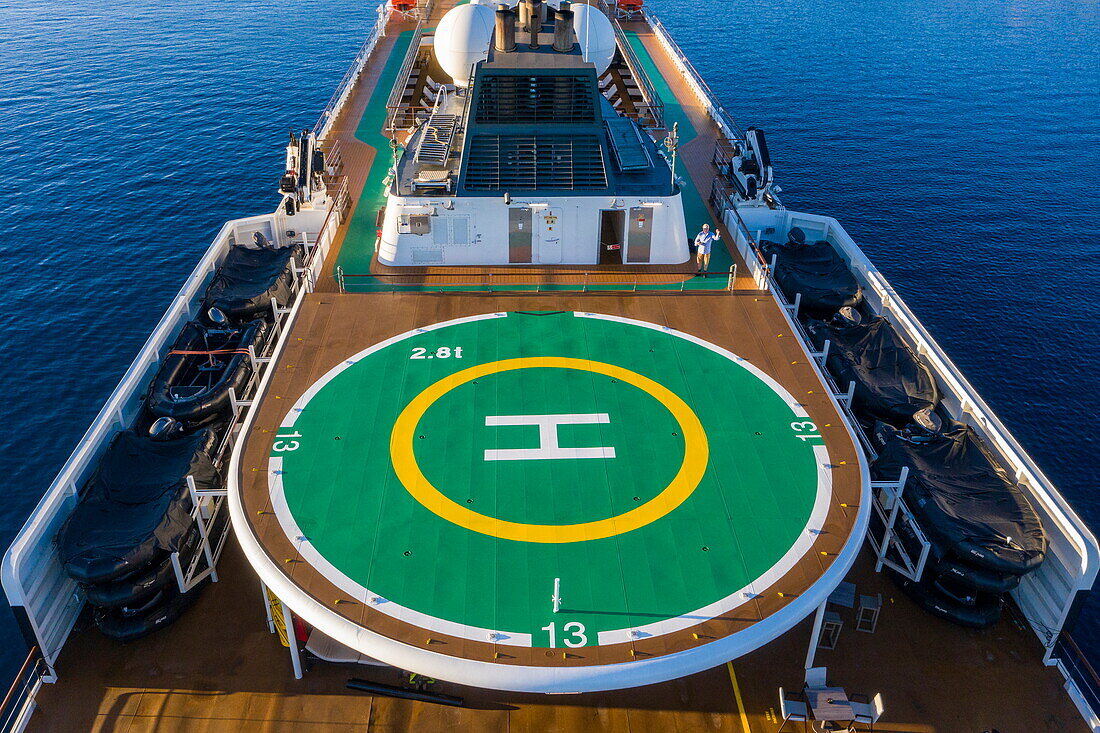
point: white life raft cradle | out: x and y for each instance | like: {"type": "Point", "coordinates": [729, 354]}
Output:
{"type": "Point", "coordinates": [302, 185]}
{"type": "Point", "coordinates": [750, 167]}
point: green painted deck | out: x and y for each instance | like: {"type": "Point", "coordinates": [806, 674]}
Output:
{"type": "Point", "coordinates": [355, 258]}
{"type": "Point", "coordinates": [702, 488]}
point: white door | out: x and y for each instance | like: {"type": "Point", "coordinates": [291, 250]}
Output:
{"type": "Point", "coordinates": [548, 226]}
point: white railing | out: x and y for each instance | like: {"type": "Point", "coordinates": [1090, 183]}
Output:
{"type": "Point", "coordinates": [693, 79]}
{"type": "Point", "coordinates": [343, 89]}
{"type": "Point", "coordinates": [36, 585]}
{"type": "Point", "coordinates": [1046, 596]}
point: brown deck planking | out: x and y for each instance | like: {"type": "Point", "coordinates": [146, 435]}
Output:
{"type": "Point", "coordinates": [219, 670]}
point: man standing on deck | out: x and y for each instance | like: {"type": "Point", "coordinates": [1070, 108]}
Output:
{"type": "Point", "coordinates": [703, 241]}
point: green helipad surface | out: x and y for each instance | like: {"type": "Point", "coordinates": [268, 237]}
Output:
{"type": "Point", "coordinates": [451, 475]}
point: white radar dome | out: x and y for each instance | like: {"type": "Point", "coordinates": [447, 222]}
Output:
{"type": "Point", "coordinates": [596, 36]}
{"type": "Point", "coordinates": [462, 39]}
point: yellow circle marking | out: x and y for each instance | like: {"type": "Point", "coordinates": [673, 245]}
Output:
{"type": "Point", "coordinates": [696, 454]}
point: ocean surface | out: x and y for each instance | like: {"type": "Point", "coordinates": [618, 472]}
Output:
{"type": "Point", "coordinates": [958, 142]}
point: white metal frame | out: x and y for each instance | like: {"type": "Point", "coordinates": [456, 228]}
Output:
{"type": "Point", "coordinates": [1045, 596]}
{"type": "Point", "coordinates": [32, 575]}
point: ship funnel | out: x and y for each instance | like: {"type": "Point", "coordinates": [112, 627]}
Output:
{"type": "Point", "coordinates": [506, 29]}
{"type": "Point", "coordinates": [563, 29]}
{"type": "Point", "coordinates": [534, 20]}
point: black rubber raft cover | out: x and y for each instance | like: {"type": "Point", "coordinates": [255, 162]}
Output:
{"type": "Point", "coordinates": [963, 500]}
{"type": "Point", "coordinates": [983, 611]}
{"type": "Point", "coordinates": [891, 382]}
{"type": "Point", "coordinates": [816, 271]}
{"type": "Point", "coordinates": [136, 505]}
{"type": "Point", "coordinates": [249, 278]}
{"type": "Point", "coordinates": [204, 364]}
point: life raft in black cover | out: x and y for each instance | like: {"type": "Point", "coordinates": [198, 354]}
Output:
{"type": "Point", "coordinates": [250, 278]}
{"type": "Point", "coordinates": [979, 613]}
{"type": "Point", "coordinates": [134, 622]}
{"type": "Point", "coordinates": [816, 271]}
{"type": "Point", "coordinates": [136, 505]}
{"type": "Point", "coordinates": [972, 576]}
{"type": "Point", "coordinates": [963, 500]}
{"type": "Point", "coordinates": [204, 364]}
{"type": "Point", "coordinates": [891, 382]}
{"type": "Point", "coordinates": [942, 565]}
{"type": "Point", "coordinates": [140, 586]}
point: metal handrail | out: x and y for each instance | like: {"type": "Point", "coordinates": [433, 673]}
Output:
{"type": "Point", "coordinates": [567, 281]}
{"type": "Point", "coordinates": [717, 108]}
{"type": "Point", "coordinates": [1079, 669]}
{"type": "Point", "coordinates": [394, 104]}
{"type": "Point", "coordinates": [34, 668]}
{"type": "Point", "coordinates": [654, 103]}
{"type": "Point", "coordinates": [336, 101]}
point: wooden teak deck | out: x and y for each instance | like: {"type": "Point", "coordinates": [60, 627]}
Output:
{"type": "Point", "coordinates": [219, 668]}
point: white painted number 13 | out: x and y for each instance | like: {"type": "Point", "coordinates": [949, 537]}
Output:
{"type": "Point", "coordinates": [574, 628]}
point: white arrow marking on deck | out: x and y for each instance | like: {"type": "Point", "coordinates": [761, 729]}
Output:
{"type": "Point", "coordinates": [548, 437]}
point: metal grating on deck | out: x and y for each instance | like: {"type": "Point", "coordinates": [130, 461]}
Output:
{"type": "Point", "coordinates": [627, 145]}
{"type": "Point", "coordinates": [435, 145]}
{"type": "Point", "coordinates": [535, 99]}
{"type": "Point", "coordinates": [531, 163]}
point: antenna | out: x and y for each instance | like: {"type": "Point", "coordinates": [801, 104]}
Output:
{"type": "Point", "coordinates": [671, 143]}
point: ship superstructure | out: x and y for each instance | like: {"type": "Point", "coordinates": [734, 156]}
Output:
{"type": "Point", "coordinates": [495, 454]}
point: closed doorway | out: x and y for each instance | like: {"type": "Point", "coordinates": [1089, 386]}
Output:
{"type": "Point", "coordinates": [640, 240]}
{"type": "Point", "coordinates": [519, 236]}
{"type": "Point", "coordinates": [612, 236]}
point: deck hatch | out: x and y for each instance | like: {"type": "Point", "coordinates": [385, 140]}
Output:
{"type": "Point", "coordinates": [626, 144]}
{"type": "Point", "coordinates": [509, 99]}
{"type": "Point", "coordinates": [533, 163]}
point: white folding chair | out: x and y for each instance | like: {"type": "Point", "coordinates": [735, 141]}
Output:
{"type": "Point", "coordinates": [795, 710]}
{"type": "Point", "coordinates": [815, 678]}
{"type": "Point", "coordinates": [869, 713]}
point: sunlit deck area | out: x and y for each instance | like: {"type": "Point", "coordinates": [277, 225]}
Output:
{"type": "Point", "coordinates": [221, 667]}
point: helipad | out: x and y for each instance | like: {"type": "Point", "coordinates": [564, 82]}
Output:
{"type": "Point", "coordinates": [554, 500]}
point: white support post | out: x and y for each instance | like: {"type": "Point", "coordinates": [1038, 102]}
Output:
{"type": "Point", "coordinates": [888, 534]}
{"type": "Point", "coordinates": [797, 304]}
{"type": "Point", "coordinates": [275, 315]}
{"type": "Point", "coordinates": [923, 560]}
{"type": "Point", "coordinates": [234, 403]}
{"type": "Point", "coordinates": [267, 608]}
{"type": "Point", "coordinates": [846, 398]}
{"type": "Point", "coordinates": [181, 582]}
{"type": "Point", "coordinates": [815, 635]}
{"type": "Point", "coordinates": [292, 641]}
{"type": "Point", "coordinates": [822, 355]}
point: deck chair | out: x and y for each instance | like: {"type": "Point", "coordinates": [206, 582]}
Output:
{"type": "Point", "coordinates": [869, 713]}
{"type": "Point", "coordinates": [815, 677]}
{"type": "Point", "coordinates": [795, 710]}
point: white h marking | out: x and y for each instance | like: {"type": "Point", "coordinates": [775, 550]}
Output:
{"type": "Point", "coordinates": [548, 437]}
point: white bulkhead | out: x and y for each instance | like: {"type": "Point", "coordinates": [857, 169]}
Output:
{"type": "Point", "coordinates": [573, 230]}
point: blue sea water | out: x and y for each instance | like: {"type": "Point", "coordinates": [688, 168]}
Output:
{"type": "Point", "coordinates": [958, 142]}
